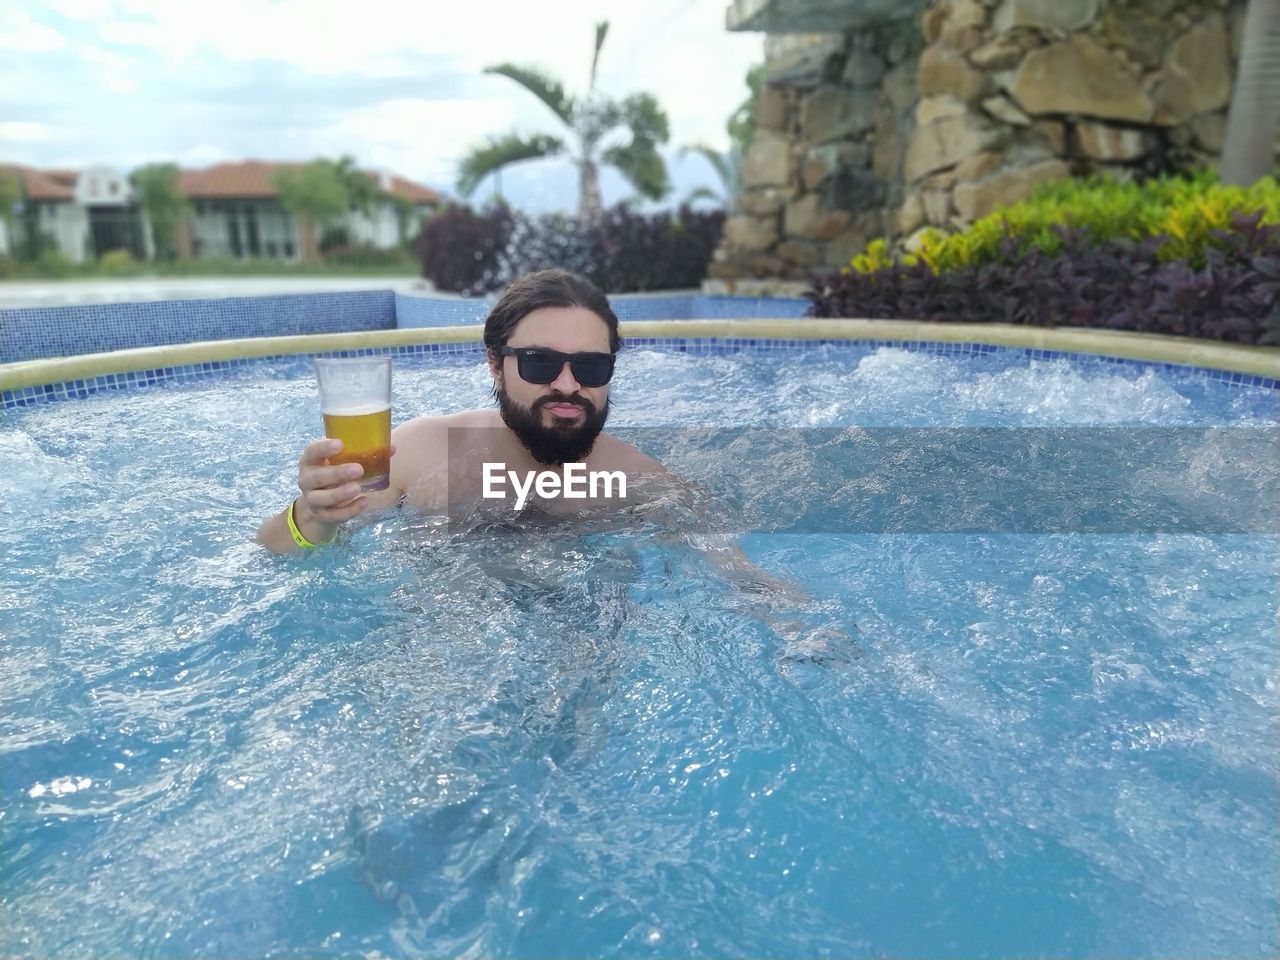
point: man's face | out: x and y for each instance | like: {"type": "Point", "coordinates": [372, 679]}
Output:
{"type": "Point", "coordinates": [558, 422]}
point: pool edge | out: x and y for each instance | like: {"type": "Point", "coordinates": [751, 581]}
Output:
{"type": "Point", "coordinates": [1152, 348]}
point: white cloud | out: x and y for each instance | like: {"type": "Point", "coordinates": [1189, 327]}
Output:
{"type": "Point", "coordinates": [19, 32]}
{"type": "Point", "coordinates": [25, 131]}
{"type": "Point", "coordinates": [201, 155]}
{"type": "Point", "coordinates": [115, 72]}
{"type": "Point", "coordinates": [83, 10]}
{"type": "Point", "coordinates": [676, 49]}
{"type": "Point", "coordinates": [415, 136]}
{"type": "Point", "coordinates": [134, 33]}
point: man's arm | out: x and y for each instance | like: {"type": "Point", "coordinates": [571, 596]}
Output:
{"type": "Point", "coordinates": [784, 606]}
{"type": "Point", "coordinates": [330, 495]}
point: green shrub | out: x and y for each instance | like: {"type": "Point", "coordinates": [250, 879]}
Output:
{"type": "Point", "coordinates": [54, 263]}
{"type": "Point", "coordinates": [1185, 213]}
{"type": "Point", "coordinates": [367, 255]}
{"type": "Point", "coordinates": [118, 261]}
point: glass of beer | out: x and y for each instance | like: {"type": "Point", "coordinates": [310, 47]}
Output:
{"type": "Point", "coordinates": [355, 401]}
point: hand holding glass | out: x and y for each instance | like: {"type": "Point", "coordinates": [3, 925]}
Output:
{"type": "Point", "coordinates": [355, 400]}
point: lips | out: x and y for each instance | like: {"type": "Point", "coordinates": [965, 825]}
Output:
{"type": "Point", "coordinates": [563, 408]}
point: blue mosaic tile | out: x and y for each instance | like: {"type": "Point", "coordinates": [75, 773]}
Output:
{"type": "Point", "coordinates": [32, 333]}
{"type": "Point", "coordinates": [673, 306]}
{"type": "Point", "coordinates": [418, 312]}
{"type": "Point", "coordinates": [41, 332]}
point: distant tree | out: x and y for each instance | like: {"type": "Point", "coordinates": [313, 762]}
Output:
{"type": "Point", "coordinates": [324, 191]}
{"type": "Point", "coordinates": [1249, 151]}
{"type": "Point", "coordinates": [591, 122]}
{"type": "Point", "coordinates": [164, 203]}
{"type": "Point", "coordinates": [10, 194]}
{"type": "Point", "coordinates": [317, 195]}
{"type": "Point", "coordinates": [316, 190]}
{"type": "Point", "coordinates": [363, 192]}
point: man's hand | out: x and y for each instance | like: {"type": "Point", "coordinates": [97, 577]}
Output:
{"type": "Point", "coordinates": [331, 494]}
{"type": "Point", "coordinates": [829, 644]}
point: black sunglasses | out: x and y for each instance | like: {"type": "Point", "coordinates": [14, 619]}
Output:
{"type": "Point", "coordinates": [540, 365]}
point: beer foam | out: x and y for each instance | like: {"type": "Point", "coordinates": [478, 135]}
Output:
{"type": "Point", "coordinates": [361, 410]}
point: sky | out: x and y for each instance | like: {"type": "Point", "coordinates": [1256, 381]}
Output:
{"type": "Point", "coordinates": [398, 84]}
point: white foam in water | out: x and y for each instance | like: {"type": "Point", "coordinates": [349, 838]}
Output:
{"type": "Point", "coordinates": [896, 371]}
{"type": "Point", "coordinates": [30, 473]}
{"type": "Point", "coordinates": [1055, 392]}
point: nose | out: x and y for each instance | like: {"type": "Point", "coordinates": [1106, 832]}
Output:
{"type": "Point", "coordinates": [564, 381]}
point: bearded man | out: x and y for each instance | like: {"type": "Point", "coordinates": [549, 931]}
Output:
{"type": "Point", "coordinates": [550, 341]}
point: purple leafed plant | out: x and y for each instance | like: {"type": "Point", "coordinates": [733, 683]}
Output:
{"type": "Point", "coordinates": [459, 248]}
{"type": "Point", "coordinates": [621, 250]}
{"type": "Point", "coordinates": [1119, 285]}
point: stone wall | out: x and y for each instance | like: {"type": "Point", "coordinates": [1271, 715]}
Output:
{"type": "Point", "coordinates": [941, 118]}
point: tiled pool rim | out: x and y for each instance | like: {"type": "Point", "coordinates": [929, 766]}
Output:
{"type": "Point", "coordinates": [41, 381]}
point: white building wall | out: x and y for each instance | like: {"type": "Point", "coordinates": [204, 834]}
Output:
{"type": "Point", "coordinates": [68, 224]}
{"type": "Point", "coordinates": [278, 233]}
{"type": "Point", "coordinates": [378, 228]}
{"type": "Point", "coordinates": [210, 234]}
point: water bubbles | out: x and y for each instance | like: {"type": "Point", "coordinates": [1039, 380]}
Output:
{"type": "Point", "coordinates": [1061, 392]}
{"type": "Point", "coordinates": [61, 787]}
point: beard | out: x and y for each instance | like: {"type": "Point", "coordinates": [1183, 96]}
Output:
{"type": "Point", "coordinates": [560, 443]}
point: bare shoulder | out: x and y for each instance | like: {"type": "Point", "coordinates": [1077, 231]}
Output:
{"type": "Point", "coordinates": [431, 428]}
{"type": "Point", "coordinates": [613, 454]}
{"type": "Point", "coordinates": [422, 444]}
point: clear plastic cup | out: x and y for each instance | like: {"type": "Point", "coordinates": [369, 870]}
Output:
{"type": "Point", "coordinates": [355, 401]}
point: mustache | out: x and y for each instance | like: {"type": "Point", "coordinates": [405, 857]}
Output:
{"type": "Point", "coordinates": [550, 398]}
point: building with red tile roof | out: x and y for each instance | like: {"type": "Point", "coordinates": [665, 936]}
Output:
{"type": "Point", "coordinates": [236, 213]}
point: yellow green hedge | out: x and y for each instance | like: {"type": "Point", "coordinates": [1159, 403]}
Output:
{"type": "Point", "coordinates": [1181, 212]}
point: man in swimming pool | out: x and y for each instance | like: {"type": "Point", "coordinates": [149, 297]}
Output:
{"type": "Point", "coordinates": [550, 342]}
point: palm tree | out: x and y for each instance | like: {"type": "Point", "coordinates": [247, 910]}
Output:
{"type": "Point", "coordinates": [1249, 150]}
{"type": "Point", "coordinates": [728, 168]}
{"type": "Point", "coordinates": [728, 165]}
{"type": "Point", "coordinates": [164, 203]}
{"type": "Point", "coordinates": [362, 189]}
{"type": "Point", "coordinates": [590, 121]}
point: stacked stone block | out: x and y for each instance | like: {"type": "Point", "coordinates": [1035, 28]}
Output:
{"type": "Point", "coordinates": [939, 120]}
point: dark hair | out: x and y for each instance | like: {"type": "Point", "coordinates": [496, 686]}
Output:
{"type": "Point", "coordinates": [546, 288]}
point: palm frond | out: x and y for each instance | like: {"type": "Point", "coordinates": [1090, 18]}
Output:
{"type": "Point", "coordinates": [719, 162]}
{"type": "Point", "coordinates": [639, 161]}
{"type": "Point", "coordinates": [646, 118]}
{"type": "Point", "coordinates": [593, 120]}
{"type": "Point", "coordinates": [703, 193]}
{"type": "Point", "coordinates": [602, 30]}
{"type": "Point", "coordinates": [503, 151]}
{"type": "Point", "coordinates": [642, 166]}
{"type": "Point", "coordinates": [542, 85]}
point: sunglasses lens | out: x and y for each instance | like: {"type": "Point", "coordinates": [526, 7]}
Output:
{"type": "Point", "coordinates": [593, 370]}
{"type": "Point", "coordinates": [539, 367]}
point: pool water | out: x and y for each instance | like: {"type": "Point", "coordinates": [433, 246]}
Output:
{"type": "Point", "coordinates": [562, 741]}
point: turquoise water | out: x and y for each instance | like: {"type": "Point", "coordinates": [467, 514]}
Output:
{"type": "Point", "coordinates": [563, 741]}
